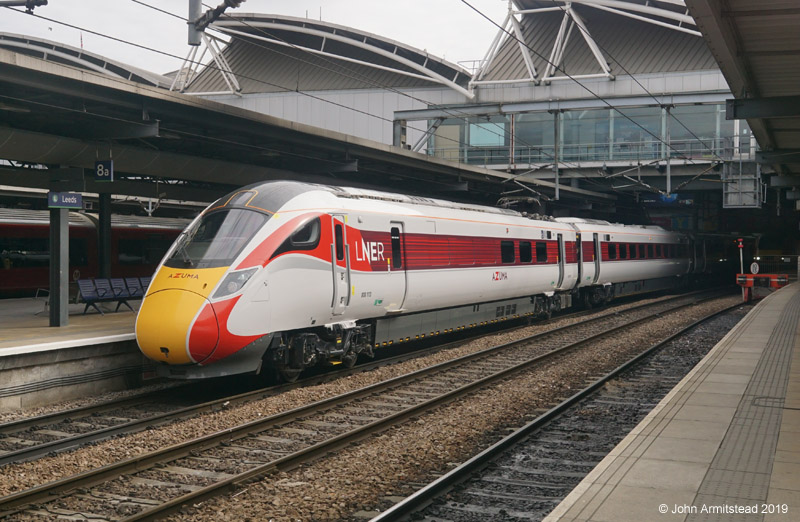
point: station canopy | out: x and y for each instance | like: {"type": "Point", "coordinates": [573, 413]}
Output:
{"type": "Point", "coordinates": [594, 38]}
{"type": "Point", "coordinates": [757, 47]}
{"type": "Point", "coordinates": [64, 109]}
{"type": "Point", "coordinates": [272, 53]}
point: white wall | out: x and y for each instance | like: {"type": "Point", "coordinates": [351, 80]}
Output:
{"type": "Point", "coordinates": [371, 115]}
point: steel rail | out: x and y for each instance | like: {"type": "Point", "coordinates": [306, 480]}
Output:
{"type": "Point", "coordinates": [46, 448]}
{"type": "Point", "coordinates": [90, 478]}
{"type": "Point", "coordinates": [423, 497]}
{"type": "Point", "coordinates": [134, 426]}
{"type": "Point", "coordinates": [298, 458]}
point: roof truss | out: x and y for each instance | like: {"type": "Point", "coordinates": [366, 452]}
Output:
{"type": "Point", "coordinates": [671, 14]}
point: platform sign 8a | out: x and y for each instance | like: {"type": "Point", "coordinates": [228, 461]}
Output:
{"type": "Point", "coordinates": [104, 171]}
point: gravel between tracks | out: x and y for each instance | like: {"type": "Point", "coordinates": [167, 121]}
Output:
{"type": "Point", "coordinates": [355, 479]}
{"type": "Point", "coordinates": [336, 486]}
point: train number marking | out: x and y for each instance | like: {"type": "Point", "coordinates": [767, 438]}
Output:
{"type": "Point", "coordinates": [370, 251]}
{"type": "Point", "coordinates": [499, 276]}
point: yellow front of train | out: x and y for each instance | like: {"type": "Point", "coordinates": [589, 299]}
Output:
{"type": "Point", "coordinates": [183, 317]}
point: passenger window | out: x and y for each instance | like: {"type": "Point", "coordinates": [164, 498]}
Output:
{"type": "Point", "coordinates": [339, 242]}
{"type": "Point", "coordinates": [507, 251]}
{"type": "Point", "coordinates": [641, 251]}
{"type": "Point", "coordinates": [658, 250]}
{"type": "Point", "coordinates": [525, 253]}
{"type": "Point", "coordinates": [541, 252]}
{"type": "Point", "coordinates": [304, 238]}
{"type": "Point", "coordinates": [612, 250]}
{"type": "Point", "coordinates": [307, 236]}
{"type": "Point", "coordinates": [632, 250]}
{"type": "Point", "coordinates": [397, 254]}
{"type": "Point", "coordinates": [650, 251]}
{"type": "Point", "coordinates": [623, 251]}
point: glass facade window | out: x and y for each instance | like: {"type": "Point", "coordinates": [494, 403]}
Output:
{"type": "Point", "coordinates": [488, 140]}
{"type": "Point", "coordinates": [533, 137]}
{"type": "Point", "coordinates": [584, 135]}
{"type": "Point", "coordinates": [629, 134]}
{"type": "Point", "coordinates": [636, 133]}
{"type": "Point", "coordinates": [694, 129]}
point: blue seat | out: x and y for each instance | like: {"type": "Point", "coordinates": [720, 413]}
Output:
{"type": "Point", "coordinates": [134, 287]}
{"type": "Point", "coordinates": [121, 293]}
{"type": "Point", "coordinates": [89, 294]}
{"type": "Point", "coordinates": [103, 290]}
{"type": "Point", "coordinates": [145, 282]}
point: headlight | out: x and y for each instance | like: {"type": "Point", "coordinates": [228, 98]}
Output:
{"type": "Point", "coordinates": [234, 282]}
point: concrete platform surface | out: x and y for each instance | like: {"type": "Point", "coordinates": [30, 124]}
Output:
{"type": "Point", "coordinates": [25, 322]}
{"type": "Point", "coordinates": [723, 445]}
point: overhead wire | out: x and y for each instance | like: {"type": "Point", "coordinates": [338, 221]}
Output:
{"type": "Point", "coordinates": [575, 80]}
{"type": "Point", "coordinates": [450, 111]}
{"type": "Point", "coordinates": [179, 131]}
{"type": "Point", "coordinates": [258, 80]}
{"type": "Point", "coordinates": [164, 53]}
{"type": "Point", "coordinates": [454, 113]}
{"type": "Point", "coordinates": [363, 79]}
{"type": "Point", "coordinates": [607, 53]}
{"type": "Point", "coordinates": [285, 89]}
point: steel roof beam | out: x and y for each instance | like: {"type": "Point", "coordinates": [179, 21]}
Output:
{"type": "Point", "coordinates": [430, 74]}
{"type": "Point", "coordinates": [776, 107]}
{"type": "Point", "coordinates": [544, 106]}
{"type": "Point", "coordinates": [777, 157]}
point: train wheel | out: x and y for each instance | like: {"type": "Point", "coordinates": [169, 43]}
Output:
{"type": "Point", "coordinates": [349, 359]}
{"type": "Point", "coordinates": [288, 374]}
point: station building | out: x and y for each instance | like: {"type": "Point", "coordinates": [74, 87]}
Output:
{"type": "Point", "coordinates": [607, 96]}
{"type": "Point", "coordinates": [619, 97]}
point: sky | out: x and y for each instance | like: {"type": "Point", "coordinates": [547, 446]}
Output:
{"type": "Point", "coordinates": [448, 29]}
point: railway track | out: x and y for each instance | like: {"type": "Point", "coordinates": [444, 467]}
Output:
{"type": "Point", "coordinates": [31, 438]}
{"type": "Point", "coordinates": [526, 474]}
{"type": "Point", "coordinates": [152, 485]}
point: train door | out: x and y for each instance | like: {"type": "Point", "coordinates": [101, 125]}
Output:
{"type": "Point", "coordinates": [340, 265]}
{"type": "Point", "coordinates": [597, 256]}
{"type": "Point", "coordinates": [561, 260]}
{"type": "Point", "coordinates": [579, 250]}
{"type": "Point", "coordinates": [397, 265]}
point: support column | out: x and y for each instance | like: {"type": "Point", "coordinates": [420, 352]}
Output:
{"type": "Point", "coordinates": [669, 153]}
{"type": "Point", "coordinates": [59, 267]}
{"type": "Point", "coordinates": [399, 128]}
{"type": "Point", "coordinates": [556, 139]}
{"type": "Point", "coordinates": [104, 236]}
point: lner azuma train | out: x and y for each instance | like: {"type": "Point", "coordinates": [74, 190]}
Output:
{"type": "Point", "coordinates": [285, 275]}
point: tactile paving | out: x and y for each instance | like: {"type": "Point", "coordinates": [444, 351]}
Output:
{"type": "Point", "coordinates": [741, 469]}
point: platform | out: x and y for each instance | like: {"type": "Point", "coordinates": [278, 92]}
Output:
{"type": "Point", "coordinates": [25, 322]}
{"type": "Point", "coordinates": [40, 364]}
{"type": "Point", "coordinates": [724, 441]}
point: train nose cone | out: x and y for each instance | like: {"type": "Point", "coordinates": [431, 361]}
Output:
{"type": "Point", "coordinates": [176, 327]}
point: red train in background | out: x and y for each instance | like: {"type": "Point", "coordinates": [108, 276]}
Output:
{"type": "Point", "coordinates": [137, 246]}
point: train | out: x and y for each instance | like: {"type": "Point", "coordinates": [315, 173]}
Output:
{"type": "Point", "coordinates": [137, 245]}
{"type": "Point", "coordinates": [281, 276]}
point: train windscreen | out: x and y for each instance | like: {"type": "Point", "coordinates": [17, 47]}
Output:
{"type": "Point", "coordinates": [216, 239]}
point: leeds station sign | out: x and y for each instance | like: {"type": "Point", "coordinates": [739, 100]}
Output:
{"type": "Point", "coordinates": [64, 200]}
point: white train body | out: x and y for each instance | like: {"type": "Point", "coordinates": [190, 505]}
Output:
{"type": "Point", "coordinates": [296, 274]}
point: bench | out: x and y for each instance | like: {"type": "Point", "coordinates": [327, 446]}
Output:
{"type": "Point", "coordinates": [100, 290]}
